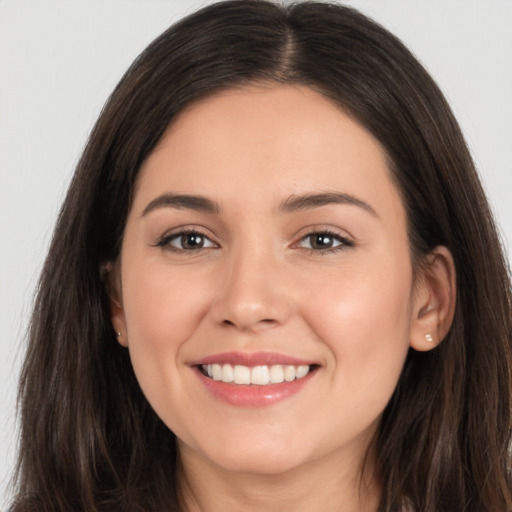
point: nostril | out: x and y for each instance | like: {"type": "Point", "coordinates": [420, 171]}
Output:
{"type": "Point", "coordinates": [250, 325]}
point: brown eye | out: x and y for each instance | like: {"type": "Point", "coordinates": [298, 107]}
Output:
{"type": "Point", "coordinates": [190, 241]}
{"type": "Point", "coordinates": [324, 241]}
{"type": "Point", "coordinates": [186, 241]}
{"type": "Point", "coordinates": [321, 241]}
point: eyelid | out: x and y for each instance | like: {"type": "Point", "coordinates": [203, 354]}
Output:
{"type": "Point", "coordinates": [347, 241]}
{"type": "Point", "coordinates": [163, 240]}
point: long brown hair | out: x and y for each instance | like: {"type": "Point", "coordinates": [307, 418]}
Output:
{"type": "Point", "coordinates": [90, 441]}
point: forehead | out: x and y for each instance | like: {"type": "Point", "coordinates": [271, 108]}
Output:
{"type": "Point", "coordinates": [257, 143]}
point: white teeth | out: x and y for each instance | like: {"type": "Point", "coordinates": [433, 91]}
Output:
{"type": "Point", "coordinates": [256, 375]}
{"type": "Point", "coordinates": [301, 371]}
{"type": "Point", "coordinates": [276, 374]}
{"type": "Point", "coordinates": [289, 373]}
{"type": "Point", "coordinates": [216, 372]}
{"type": "Point", "coordinates": [242, 374]}
{"type": "Point", "coordinates": [260, 375]}
{"type": "Point", "coordinates": [227, 373]}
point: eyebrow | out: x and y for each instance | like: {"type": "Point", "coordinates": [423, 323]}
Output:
{"type": "Point", "coordinates": [292, 204]}
{"type": "Point", "coordinates": [182, 202]}
{"type": "Point", "coordinates": [309, 201]}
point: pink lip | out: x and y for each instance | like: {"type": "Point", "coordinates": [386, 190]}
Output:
{"type": "Point", "coordinates": [251, 359]}
{"type": "Point", "coordinates": [252, 395]}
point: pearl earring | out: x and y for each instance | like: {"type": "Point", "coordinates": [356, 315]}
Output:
{"type": "Point", "coordinates": [429, 338]}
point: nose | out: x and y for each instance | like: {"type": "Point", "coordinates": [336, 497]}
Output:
{"type": "Point", "coordinates": [253, 294]}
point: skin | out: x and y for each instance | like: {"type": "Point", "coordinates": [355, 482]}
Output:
{"type": "Point", "coordinates": [258, 284]}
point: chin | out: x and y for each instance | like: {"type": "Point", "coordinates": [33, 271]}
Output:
{"type": "Point", "coordinates": [261, 464]}
{"type": "Point", "coordinates": [268, 456]}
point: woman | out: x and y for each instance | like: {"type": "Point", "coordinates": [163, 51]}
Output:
{"type": "Point", "coordinates": [275, 283]}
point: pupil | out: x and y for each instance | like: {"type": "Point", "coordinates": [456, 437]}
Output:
{"type": "Point", "coordinates": [192, 241]}
{"type": "Point", "coordinates": [322, 241]}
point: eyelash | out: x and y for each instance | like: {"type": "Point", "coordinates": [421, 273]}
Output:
{"type": "Point", "coordinates": [165, 241]}
{"type": "Point", "coordinates": [344, 243]}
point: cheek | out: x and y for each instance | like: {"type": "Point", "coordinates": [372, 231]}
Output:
{"type": "Point", "coordinates": [363, 315]}
{"type": "Point", "coordinates": [162, 310]}
{"type": "Point", "coordinates": [162, 307]}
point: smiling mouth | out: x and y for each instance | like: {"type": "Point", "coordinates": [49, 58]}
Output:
{"type": "Point", "coordinates": [255, 375]}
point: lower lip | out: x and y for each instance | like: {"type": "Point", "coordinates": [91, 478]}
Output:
{"type": "Point", "coordinates": [242, 395]}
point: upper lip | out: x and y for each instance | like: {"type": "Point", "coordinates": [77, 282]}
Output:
{"type": "Point", "coordinates": [251, 359]}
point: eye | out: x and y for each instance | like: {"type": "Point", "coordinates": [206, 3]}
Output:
{"type": "Point", "coordinates": [324, 241]}
{"type": "Point", "coordinates": [186, 241]}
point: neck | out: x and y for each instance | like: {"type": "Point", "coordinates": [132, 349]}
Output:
{"type": "Point", "coordinates": [332, 483]}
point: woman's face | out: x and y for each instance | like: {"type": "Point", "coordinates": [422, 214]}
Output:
{"type": "Point", "coordinates": [267, 243]}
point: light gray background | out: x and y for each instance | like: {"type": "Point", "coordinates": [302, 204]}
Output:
{"type": "Point", "coordinates": [60, 59]}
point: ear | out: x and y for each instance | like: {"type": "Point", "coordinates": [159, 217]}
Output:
{"type": "Point", "coordinates": [434, 300]}
{"type": "Point", "coordinates": [112, 282]}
